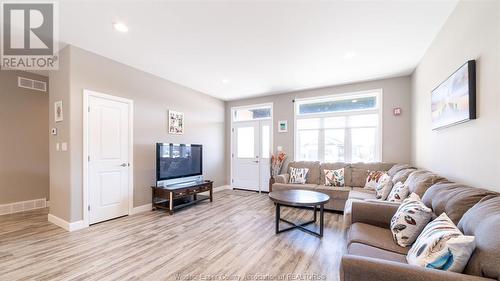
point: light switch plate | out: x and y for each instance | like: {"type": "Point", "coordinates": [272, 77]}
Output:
{"type": "Point", "coordinates": [57, 147]}
{"type": "Point", "coordinates": [64, 146]}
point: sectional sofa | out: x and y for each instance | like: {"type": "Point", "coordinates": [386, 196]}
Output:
{"type": "Point", "coordinates": [372, 254]}
{"type": "Point", "coordinates": [355, 176]}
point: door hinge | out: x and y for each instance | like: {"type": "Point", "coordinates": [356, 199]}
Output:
{"type": "Point", "coordinates": [89, 108]}
{"type": "Point", "coordinates": [88, 158]}
{"type": "Point", "coordinates": [232, 155]}
{"type": "Point", "coordinates": [232, 130]}
{"type": "Point", "coordinates": [232, 180]}
{"type": "Point", "coordinates": [88, 208]}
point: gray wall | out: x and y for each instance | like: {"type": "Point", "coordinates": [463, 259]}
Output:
{"type": "Point", "coordinates": [60, 161]}
{"type": "Point", "coordinates": [396, 130]}
{"type": "Point", "coordinates": [469, 152]}
{"type": "Point", "coordinates": [24, 144]}
{"type": "Point", "coordinates": [152, 96]}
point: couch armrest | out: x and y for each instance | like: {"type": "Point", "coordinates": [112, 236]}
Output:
{"type": "Point", "coordinates": [374, 213]}
{"type": "Point", "coordinates": [283, 178]}
{"type": "Point", "coordinates": [357, 268]}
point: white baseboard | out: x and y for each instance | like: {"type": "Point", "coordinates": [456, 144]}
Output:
{"type": "Point", "coordinates": [141, 209]}
{"type": "Point", "coordinates": [23, 206]}
{"type": "Point", "coordinates": [68, 226]}
{"type": "Point", "coordinates": [222, 187]}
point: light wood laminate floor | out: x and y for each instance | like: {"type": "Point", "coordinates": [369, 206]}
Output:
{"type": "Point", "coordinates": [232, 238]}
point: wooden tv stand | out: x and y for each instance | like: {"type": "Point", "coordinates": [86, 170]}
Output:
{"type": "Point", "coordinates": [171, 197]}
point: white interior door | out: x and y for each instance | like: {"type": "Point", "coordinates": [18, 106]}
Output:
{"type": "Point", "coordinates": [251, 155]}
{"type": "Point", "coordinates": [108, 169]}
{"type": "Point", "coordinates": [246, 155]}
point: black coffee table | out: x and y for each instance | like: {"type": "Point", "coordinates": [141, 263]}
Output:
{"type": "Point", "coordinates": [300, 198]}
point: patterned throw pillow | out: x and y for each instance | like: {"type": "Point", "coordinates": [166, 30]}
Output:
{"type": "Point", "coordinates": [410, 219]}
{"type": "Point", "coordinates": [298, 175]}
{"type": "Point", "coordinates": [441, 245]}
{"type": "Point", "coordinates": [373, 179]}
{"type": "Point", "coordinates": [334, 177]}
{"type": "Point", "coordinates": [384, 187]}
{"type": "Point", "coordinates": [398, 193]}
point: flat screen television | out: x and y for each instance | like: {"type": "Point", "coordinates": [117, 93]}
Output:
{"type": "Point", "coordinates": [175, 161]}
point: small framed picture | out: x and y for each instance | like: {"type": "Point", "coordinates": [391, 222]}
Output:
{"type": "Point", "coordinates": [175, 122]}
{"type": "Point", "coordinates": [396, 111]}
{"type": "Point", "coordinates": [58, 111]}
{"type": "Point", "coordinates": [282, 126]}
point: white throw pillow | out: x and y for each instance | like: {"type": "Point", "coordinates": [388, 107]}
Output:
{"type": "Point", "coordinates": [398, 193]}
{"type": "Point", "coordinates": [409, 220]}
{"type": "Point", "coordinates": [334, 177]}
{"type": "Point", "coordinates": [298, 175]}
{"type": "Point", "coordinates": [442, 246]}
{"type": "Point", "coordinates": [384, 187]}
{"type": "Point", "coordinates": [373, 179]}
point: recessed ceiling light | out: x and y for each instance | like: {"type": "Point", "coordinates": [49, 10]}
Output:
{"type": "Point", "coordinates": [349, 55]}
{"type": "Point", "coordinates": [120, 26]}
{"type": "Point", "coordinates": [225, 81]}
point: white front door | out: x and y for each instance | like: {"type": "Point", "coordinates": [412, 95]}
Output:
{"type": "Point", "coordinates": [108, 169]}
{"type": "Point", "coordinates": [246, 155]}
{"type": "Point", "coordinates": [251, 155]}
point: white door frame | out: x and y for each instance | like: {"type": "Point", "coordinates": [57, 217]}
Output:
{"type": "Point", "coordinates": [86, 95]}
{"type": "Point", "coordinates": [231, 152]}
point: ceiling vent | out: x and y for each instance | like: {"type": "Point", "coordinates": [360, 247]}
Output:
{"type": "Point", "coordinates": [32, 84]}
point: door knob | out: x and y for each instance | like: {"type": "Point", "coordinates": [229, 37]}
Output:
{"type": "Point", "coordinates": [256, 161]}
{"type": "Point", "coordinates": [124, 165]}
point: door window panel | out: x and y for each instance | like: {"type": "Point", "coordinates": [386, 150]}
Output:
{"type": "Point", "coordinates": [245, 142]}
{"type": "Point", "coordinates": [266, 142]}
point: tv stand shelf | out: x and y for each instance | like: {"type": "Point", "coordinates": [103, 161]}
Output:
{"type": "Point", "coordinates": [174, 197]}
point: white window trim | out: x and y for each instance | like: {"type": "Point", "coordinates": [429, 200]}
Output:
{"type": "Point", "coordinates": [378, 110]}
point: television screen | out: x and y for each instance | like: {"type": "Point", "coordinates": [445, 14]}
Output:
{"type": "Point", "coordinates": [454, 100]}
{"type": "Point", "coordinates": [178, 160]}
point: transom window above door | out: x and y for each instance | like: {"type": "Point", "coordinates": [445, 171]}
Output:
{"type": "Point", "coordinates": [252, 113]}
{"type": "Point", "coordinates": [339, 128]}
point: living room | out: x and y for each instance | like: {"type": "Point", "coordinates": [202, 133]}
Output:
{"type": "Point", "coordinates": [268, 140]}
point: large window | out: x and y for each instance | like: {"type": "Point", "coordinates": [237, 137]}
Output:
{"type": "Point", "coordinates": [342, 128]}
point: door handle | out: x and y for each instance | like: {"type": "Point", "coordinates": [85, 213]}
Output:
{"type": "Point", "coordinates": [124, 165]}
{"type": "Point", "coordinates": [256, 161]}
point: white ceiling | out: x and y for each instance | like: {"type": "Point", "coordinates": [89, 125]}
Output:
{"type": "Point", "coordinates": [236, 49]}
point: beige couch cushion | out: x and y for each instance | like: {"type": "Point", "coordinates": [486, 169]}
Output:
{"type": "Point", "coordinates": [402, 175]}
{"type": "Point", "coordinates": [334, 191]}
{"type": "Point", "coordinates": [359, 172]}
{"type": "Point", "coordinates": [333, 166]}
{"type": "Point", "coordinates": [396, 168]}
{"type": "Point", "coordinates": [374, 236]}
{"type": "Point", "coordinates": [288, 186]}
{"type": "Point", "coordinates": [483, 222]}
{"type": "Point", "coordinates": [362, 193]}
{"type": "Point", "coordinates": [419, 181]}
{"type": "Point", "coordinates": [453, 199]}
{"type": "Point", "coordinates": [313, 173]}
{"type": "Point", "coordinates": [376, 166]}
{"type": "Point", "coordinates": [363, 250]}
